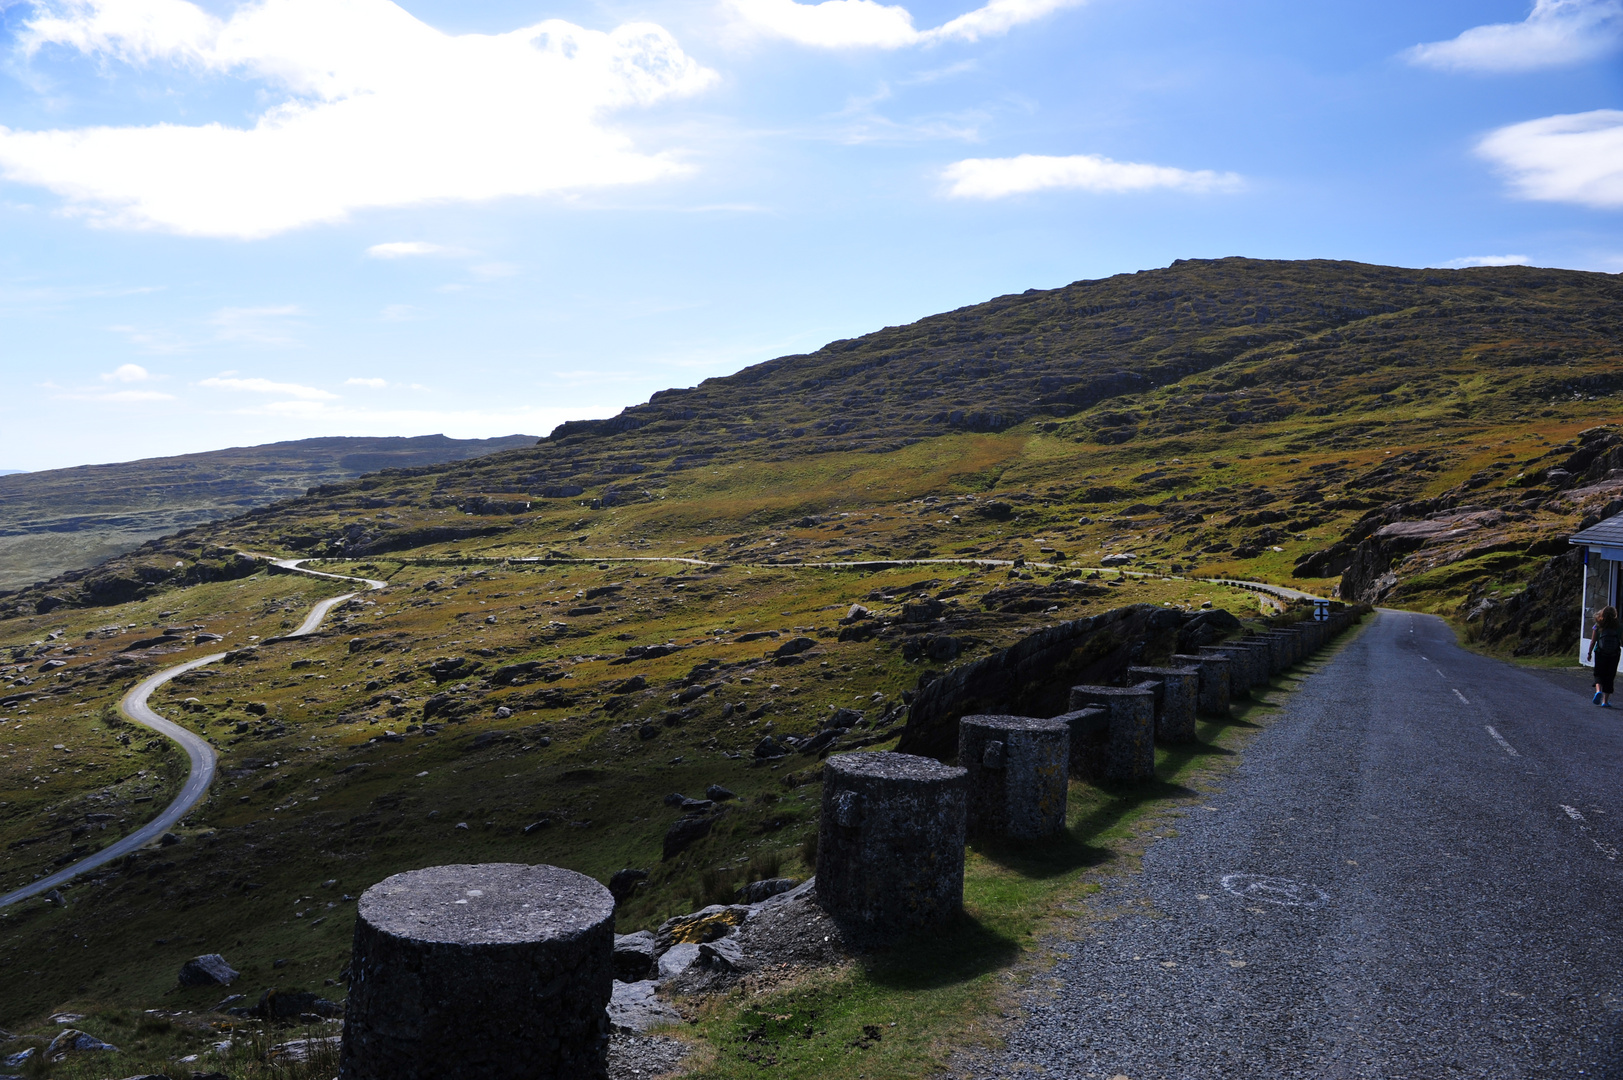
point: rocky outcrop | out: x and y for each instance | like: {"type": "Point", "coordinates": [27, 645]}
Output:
{"type": "Point", "coordinates": [1034, 676]}
{"type": "Point", "coordinates": [1541, 619]}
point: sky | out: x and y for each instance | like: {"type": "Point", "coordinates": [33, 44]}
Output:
{"type": "Point", "coordinates": [231, 223]}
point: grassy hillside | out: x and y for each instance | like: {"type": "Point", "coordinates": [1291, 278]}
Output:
{"type": "Point", "coordinates": [64, 519]}
{"type": "Point", "coordinates": [574, 629]}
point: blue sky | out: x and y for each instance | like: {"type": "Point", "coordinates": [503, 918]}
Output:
{"type": "Point", "coordinates": [228, 223]}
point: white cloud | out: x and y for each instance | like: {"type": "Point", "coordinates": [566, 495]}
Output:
{"type": "Point", "coordinates": [255, 325]}
{"type": "Point", "coordinates": [375, 384]}
{"type": "Point", "coordinates": [373, 109]}
{"type": "Point", "coordinates": [266, 386]}
{"type": "Point", "coordinates": [1574, 158]}
{"type": "Point", "coordinates": [117, 396]}
{"type": "Point", "coordinates": [996, 178]}
{"type": "Point", "coordinates": [1488, 260]}
{"type": "Point", "coordinates": [402, 249]}
{"type": "Point", "coordinates": [1556, 33]}
{"type": "Point", "coordinates": [127, 373]}
{"type": "Point", "coordinates": [845, 24]}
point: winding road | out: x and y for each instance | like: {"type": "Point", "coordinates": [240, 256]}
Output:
{"type": "Point", "coordinates": [1414, 872]}
{"type": "Point", "coordinates": [135, 708]}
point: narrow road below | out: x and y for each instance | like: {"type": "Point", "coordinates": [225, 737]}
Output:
{"type": "Point", "coordinates": [201, 774]}
{"type": "Point", "coordinates": [1414, 873]}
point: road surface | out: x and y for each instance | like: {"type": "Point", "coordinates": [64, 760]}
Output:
{"type": "Point", "coordinates": [135, 708]}
{"type": "Point", "coordinates": [1414, 873]}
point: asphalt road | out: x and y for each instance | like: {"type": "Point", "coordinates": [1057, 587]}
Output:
{"type": "Point", "coordinates": [201, 774]}
{"type": "Point", "coordinates": [1414, 873]}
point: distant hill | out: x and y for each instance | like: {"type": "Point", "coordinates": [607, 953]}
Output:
{"type": "Point", "coordinates": [65, 519]}
{"type": "Point", "coordinates": [1415, 437]}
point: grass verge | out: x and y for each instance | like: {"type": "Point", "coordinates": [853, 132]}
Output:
{"type": "Point", "coordinates": [906, 1011]}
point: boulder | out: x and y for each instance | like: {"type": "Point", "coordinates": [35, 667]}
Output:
{"type": "Point", "coordinates": [759, 891]}
{"type": "Point", "coordinates": [208, 970]}
{"type": "Point", "coordinates": [634, 1009]}
{"type": "Point", "coordinates": [707, 924]}
{"type": "Point", "coordinates": [682, 835]}
{"type": "Point", "coordinates": [794, 646]}
{"type": "Point", "coordinates": [677, 959]}
{"type": "Point", "coordinates": [636, 956]}
{"type": "Point", "coordinates": [73, 1041]}
{"type": "Point", "coordinates": [718, 793]}
{"type": "Point", "coordinates": [624, 882]}
{"type": "Point", "coordinates": [292, 1004]}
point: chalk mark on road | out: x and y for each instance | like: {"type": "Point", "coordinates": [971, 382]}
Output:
{"type": "Point", "coordinates": [1275, 890]}
{"type": "Point", "coordinates": [1500, 739]}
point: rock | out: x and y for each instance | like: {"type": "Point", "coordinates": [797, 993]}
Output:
{"type": "Point", "coordinates": [292, 1004]}
{"type": "Point", "coordinates": [503, 713]}
{"type": "Point", "coordinates": [682, 835]}
{"type": "Point", "coordinates": [74, 1041]}
{"type": "Point", "coordinates": [636, 956]}
{"type": "Point", "coordinates": [207, 970]}
{"type": "Point", "coordinates": [724, 954]}
{"type": "Point", "coordinates": [769, 747]}
{"type": "Point", "coordinates": [1119, 559]}
{"type": "Point", "coordinates": [795, 646]}
{"type": "Point", "coordinates": [21, 1057]}
{"type": "Point", "coordinates": [1034, 676]}
{"type": "Point", "coordinates": [697, 806]}
{"type": "Point", "coordinates": [168, 839]}
{"type": "Point", "coordinates": [759, 891]}
{"type": "Point", "coordinates": [675, 798]}
{"type": "Point", "coordinates": [843, 718]}
{"type": "Point", "coordinates": [718, 793]}
{"type": "Point", "coordinates": [707, 924]}
{"type": "Point", "coordinates": [823, 739]}
{"type": "Point", "coordinates": [856, 614]}
{"type": "Point", "coordinates": [648, 731]}
{"type": "Point", "coordinates": [622, 883]}
{"type": "Point", "coordinates": [634, 1009]}
{"type": "Point", "coordinates": [927, 609]}
{"type": "Point", "coordinates": [676, 959]}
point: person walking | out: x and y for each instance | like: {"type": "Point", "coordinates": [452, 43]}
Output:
{"type": "Point", "coordinates": [1605, 645]}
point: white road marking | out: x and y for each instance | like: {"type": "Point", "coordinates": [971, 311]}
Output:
{"type": "Point", "coordinates": [1439, 672]}
{"type": "Point", "coordinates": [1461, 696]}
{"type": "Point", "coordinates": [1583, 826]}
{"type": "Point", "coordinates": [1500, 739]}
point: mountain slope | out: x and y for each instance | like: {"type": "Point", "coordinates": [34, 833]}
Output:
{"type": "Point", "coordinates": [63, 519]}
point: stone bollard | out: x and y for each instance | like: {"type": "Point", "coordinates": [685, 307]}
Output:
{"type": "Point", "coordinates": [1274, 651]}
{"type": "Point", "coordinates": [1018, 774]}
{"type": "Point", "coordinates": [1175, 699]}
{"type": "Point", "coordinates": [1239, 666]}
{"type": "Point", "coordinates": [1295, 644]}
{"type": "Point", "coordinates": [1129, 748]}
{"type": "Point", "coordinates": [890, 846]}
{"type": "Point", "coordinates": [491, 971]}
{"type": "Point", "coordinates": [1258, 660]}
{"type": "Point", "coordinates": [1213, 695]}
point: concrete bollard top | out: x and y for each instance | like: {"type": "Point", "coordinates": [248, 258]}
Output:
{"type": "Point", "coordinates": [997, 722]}
{"type": "Point", "coordinates": [891, 766]}
{"type": "Point", "coordinates": [493, 904]}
